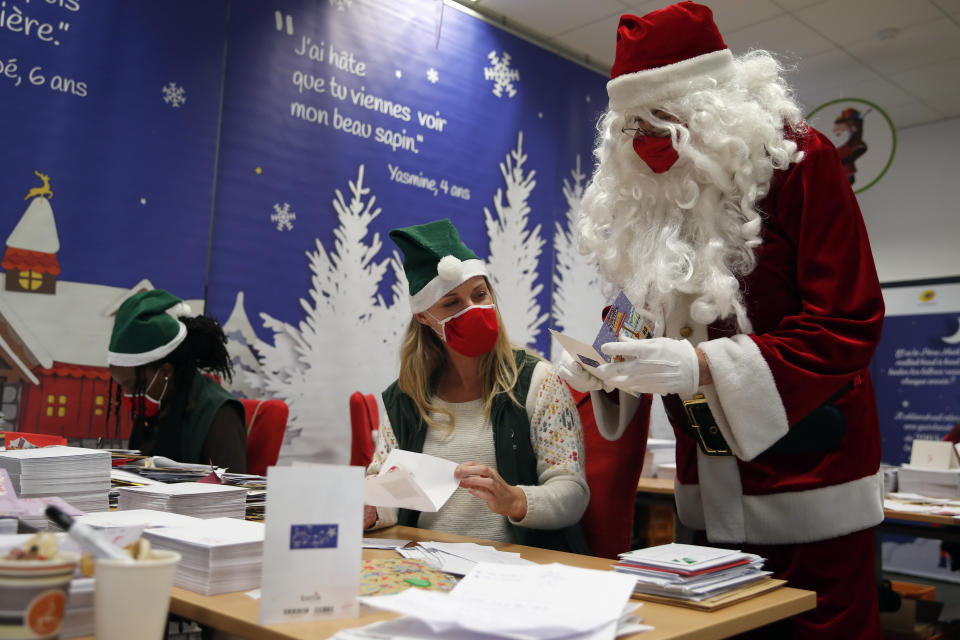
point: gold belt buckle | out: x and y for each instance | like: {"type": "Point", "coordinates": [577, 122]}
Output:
{"type": "Point", "coordinates": [704, 427]}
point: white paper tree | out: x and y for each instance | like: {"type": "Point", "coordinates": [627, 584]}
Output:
{"type": "Point", "coordinates": [348, 340]}
{"type": "Point", "coordinates": [515, 250]}
{"type": "Point", "coordinates": [241, 345]}
{"type": "Point", "coordinates": [577, 284]}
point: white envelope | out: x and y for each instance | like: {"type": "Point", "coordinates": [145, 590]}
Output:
{"type": "Point", "coordinates": [311, 551]}
{"type": "Point", "coordinates": [582, 352]}
{"type": "Point", "coordinates": [409, 480]}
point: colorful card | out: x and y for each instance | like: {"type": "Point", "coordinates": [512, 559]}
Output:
{"type": "Point", "coordinates": [622, 321]}
{"type": "Point", "coordinates": [382, 576]}
{"type": "Point", "coordinates": [313, 543]}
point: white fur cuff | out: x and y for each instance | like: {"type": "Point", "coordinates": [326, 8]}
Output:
{"type": "Point", "coordinates": [612, 419]}
{"type": "Point", "coordinates": [754, 414]}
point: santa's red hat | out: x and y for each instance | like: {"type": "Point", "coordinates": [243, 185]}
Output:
{"type": "Point", "coordinates": [660, 56]}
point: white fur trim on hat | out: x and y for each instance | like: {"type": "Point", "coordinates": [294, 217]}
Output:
{"type": "Point", "coordinates": [441, 286]}
{"type": "Point", "coordinates": [655, 86]}
{"type": "Point", "coordinates": [180, 309]}
{"type": "Point", "coordinates": [137, 359]}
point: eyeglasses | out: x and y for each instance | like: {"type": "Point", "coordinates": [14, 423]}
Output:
{"type": "Point", "coordinates": [657, 133]}
{"type": "Point", "coordinates": [635, 131]}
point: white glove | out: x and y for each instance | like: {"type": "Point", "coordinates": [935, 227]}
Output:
{"type": "Point", "coordinates": [578, 377]}
{"type": "Point", "coordinates": [653, 365]}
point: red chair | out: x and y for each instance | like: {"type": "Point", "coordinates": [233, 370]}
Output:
{"type": "Point", "coordinates": [364, 421]}
{"type": "Point", "coordinates": [266, 422]}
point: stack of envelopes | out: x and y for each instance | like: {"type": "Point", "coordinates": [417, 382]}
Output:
{"type": "Point", "coordinates": [218, 555]}
{"type": "Point", "coordinates": [79, 476]}
{"type": "Point", "coordinates": [690, 572]}
{"type": "Point", "coordinates": [198, 499]}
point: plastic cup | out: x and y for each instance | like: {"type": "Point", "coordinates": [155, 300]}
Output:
{"type": "Point", "coordinates": [33, 596]}
{"type": "Point", "coordinates": [131, 600]}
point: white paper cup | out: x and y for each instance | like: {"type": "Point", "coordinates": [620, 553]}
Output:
{"type": "Point", "coordinates": [131, 600]}
{"type": "Point", "coordinates": [33, 596]}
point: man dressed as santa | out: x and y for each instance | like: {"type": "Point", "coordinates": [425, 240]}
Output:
{"type": "Point", "coordinates": [731, 225]}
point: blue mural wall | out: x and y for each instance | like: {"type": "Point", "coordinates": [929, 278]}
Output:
{"type": "Point", "coordinates": [917, 366]}
{"type": "Point", "coordinates": [117, 103]}
{"type": "Point", "coordinates": [252, 155]}
{"type": "Point", "coordinates": [429, 102]}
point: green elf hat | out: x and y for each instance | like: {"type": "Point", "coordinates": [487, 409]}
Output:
{"type": "Point", "coordinates": [145, 328]}
{"type": "Point", "coordinates": [435, 261]}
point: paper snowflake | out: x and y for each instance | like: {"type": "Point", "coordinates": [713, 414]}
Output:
{"type": "Point", "coordinates": [283, 216]}
{"type": "Point", "coordinates": [174, 95]}
{"type": "Point", "coordinates": [501, 74]}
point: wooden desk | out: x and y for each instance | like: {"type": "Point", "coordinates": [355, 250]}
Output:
{"type": "Point", "coordinates": [905, 523]}
{"type": "Point", "coordinates": [656, 486]}
{"type": "Point", "coordinates": [919, 525]}
{"type": "Point", "coordinates": [660, 491]}
{"type": "Point", "coordinates": [237, 614]}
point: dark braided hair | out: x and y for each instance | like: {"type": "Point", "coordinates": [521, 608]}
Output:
{"type": "Point", "coordinates": [204, 350]}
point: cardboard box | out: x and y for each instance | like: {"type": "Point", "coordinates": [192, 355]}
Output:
{"type": "Point", "coordinates": [914, 620]}
{"type": "Point", "coordinates": [914, 590]}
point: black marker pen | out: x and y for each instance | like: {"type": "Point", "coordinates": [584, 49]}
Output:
{"type": "Point", "coordinates": [86, 535]}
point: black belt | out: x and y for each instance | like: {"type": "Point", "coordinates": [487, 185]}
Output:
{"type": "Point", "coordinates": [704, 429]}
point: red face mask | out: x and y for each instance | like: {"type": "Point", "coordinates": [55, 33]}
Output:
{"type": "Point", "coordinates": [657, 152]}
{"type": "Point", "coordinates": [150, 406]}
{"type": "Point", "coordinates": [472, 332]}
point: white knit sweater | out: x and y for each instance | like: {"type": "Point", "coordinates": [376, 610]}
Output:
{"type": "Point", "coordinates": [560, 495]}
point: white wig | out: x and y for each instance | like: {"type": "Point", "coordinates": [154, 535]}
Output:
{"type": "Point", "coordinates": [692, 229]}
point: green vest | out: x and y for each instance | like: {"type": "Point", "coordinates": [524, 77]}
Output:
{"type": "Point", "coordinates": [516, 460]}
{"type": "Point", "coordinates": [207, 398]}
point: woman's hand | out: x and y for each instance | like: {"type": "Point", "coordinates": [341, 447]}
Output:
{"type": "Point", "coordinates": [369, 516]}
{"type": "Point", "coordinates": [485, 483]}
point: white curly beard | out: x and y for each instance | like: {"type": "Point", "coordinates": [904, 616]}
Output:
{"type": "Point", "coordinates": [691, 230]}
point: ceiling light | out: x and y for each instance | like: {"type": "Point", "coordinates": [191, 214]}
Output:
{"type": "Point", "coordinates": [888, 33]}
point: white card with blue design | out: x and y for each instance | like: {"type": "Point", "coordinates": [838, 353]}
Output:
{"type": "Point", "coordinates": [312, 552]}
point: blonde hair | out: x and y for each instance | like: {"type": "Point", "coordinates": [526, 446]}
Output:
{"type": "Point", "coordinates": [422, 356]}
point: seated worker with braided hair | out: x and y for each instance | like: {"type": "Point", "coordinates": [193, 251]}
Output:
{"type": "Point", "coordinates": [157, 357]}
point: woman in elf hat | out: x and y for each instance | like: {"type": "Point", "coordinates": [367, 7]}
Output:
{"type": "Point", "coordinates": [156, 357]}
{"type": "Point", "coordinates": [465, 394]}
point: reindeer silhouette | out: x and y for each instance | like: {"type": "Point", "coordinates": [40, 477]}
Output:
{"type": "Point", "coordinates": [41, 191]}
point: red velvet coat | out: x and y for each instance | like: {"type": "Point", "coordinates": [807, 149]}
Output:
{"type": "Point", "coordinates": [816, 311]}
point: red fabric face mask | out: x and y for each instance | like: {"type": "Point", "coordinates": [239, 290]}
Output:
{"type": "Point", "coordinates": [472, 332]}
{"type": "Point", "coordinates": [657, 152]}
{"type": "Point", "coordinates": [150, 406]}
